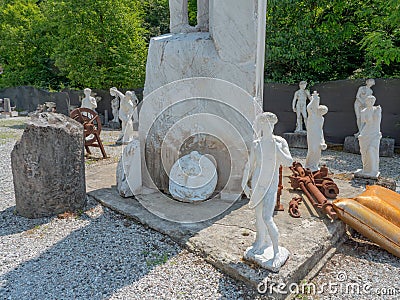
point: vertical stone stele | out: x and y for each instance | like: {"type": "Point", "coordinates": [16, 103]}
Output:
{"type": "Point", "coordinates": [48, 166]}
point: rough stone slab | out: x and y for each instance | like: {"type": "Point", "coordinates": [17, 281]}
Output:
{"type": "Point", "coordinates": [48, 166]}
{"type": "Point", "coordinates": [223, 239]}
{"type": "Point", "coordinates": [296, 139]}
{"type": "Point", "coordinates": [386, 147]}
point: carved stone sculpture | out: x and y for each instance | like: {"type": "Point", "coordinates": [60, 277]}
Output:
{"type": "Point", "coordinates": [299, 105]}
{"type": "Point", "coordinates": [315, 132]}
{"type": "Point", "coordinates": [262, 171]}
{"type": "Point", "coordinates": [362, 94]}
{"type": "Point", "coordinates": [179, 22]}
{"type": "Point", "coordinates": [369, 139]}
{"type": "Point", "coordinates": [88, 101]}
{"type": "Point", "coordinates": [115, 105]}
{"type": "Point", "coordinates": [193, 177]}
{"type": "Point", "coordinates": [128, 104]}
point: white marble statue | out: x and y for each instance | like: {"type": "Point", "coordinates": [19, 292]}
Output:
{"type": "Point", "coordinates": [370, 138]}
{"type": "Point", "coordinates": [362, 94]}
{"type": "Point", "coordinates": [128, 104]}
{"type": "Point", "coordinates": [115, 105]}
{"type": "Point", "coordinates": [179, 22]}
{"type": "Point", "coordinates": [262, 171]}
{"type": "Point", "coordinates": [88, 101]}
{"type": "Point", "coordinates": [315, 133]}
{"type": "Point", "coordinates": [193, 177]}
{"type": "Point", "coordinates": [299, 105]}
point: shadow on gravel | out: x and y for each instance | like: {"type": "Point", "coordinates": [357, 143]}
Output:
{"type": "Point", "coordinates": [11, 223]}
{"type": "Point", "coordinates": [95, 262]}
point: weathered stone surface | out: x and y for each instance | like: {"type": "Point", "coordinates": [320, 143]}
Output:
{"type": "Point", "coordinates": [386, 147]}
{"type": "Point", "coordinates": [48, 166]}
{"type": "Point", "coordinates": [296, 139]}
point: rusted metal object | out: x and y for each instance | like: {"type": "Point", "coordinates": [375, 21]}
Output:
{"type": "Point", "coordinates": [316, 186]}
{"type": "Point", "coordinates": [91, 128]}
{"type": "Point", "coordinates": [279, 206]}
{"type": "Point", "coordinates": [294, 207]}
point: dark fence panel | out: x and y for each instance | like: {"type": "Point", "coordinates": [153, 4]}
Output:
{"type": "Point", "coordinates": [339, 96]}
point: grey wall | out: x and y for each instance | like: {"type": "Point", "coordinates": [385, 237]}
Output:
{"type": "Point", "coordinates": [339, 96]}
{"type": "Point", "coordinates": [28, 98]}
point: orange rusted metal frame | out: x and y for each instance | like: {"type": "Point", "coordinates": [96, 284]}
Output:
{"type": "Point", "coordinates": [279, 206]}
{"type": "Point", "coordinates": [306, 181]}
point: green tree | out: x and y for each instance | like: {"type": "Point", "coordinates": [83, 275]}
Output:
{"type": "Point", "coordinates": [99, 44]}
{"type": "Point", "coordinates": [24, 46]}
{"type": "Point", "coordinates": [381, 41]}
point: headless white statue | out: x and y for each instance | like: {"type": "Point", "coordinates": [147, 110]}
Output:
{"type": "Point", "coordinates": [315, 132]}
{"type": "Point", "coordinates": [115, 105]}
{"type": "Point", "coordinates": [369, 139]}
{"type": "Point", "coordinates": [262, 171]}
{"type": "Point", "coordinates": [362, 94]}
{"type": "Point", "coordinates": [127, 109]}
{"type": "Point", "coordinates": [179, 20]}
{"type": "Point", "coordinates": [89, 101]}
{"type": "Point", "coordinates": [299, 105]}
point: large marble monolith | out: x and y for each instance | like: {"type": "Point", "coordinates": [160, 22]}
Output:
{"type": "Point", "coordinates": [48, 166]}
{"type": "Point", "coordinates": [215, 70]}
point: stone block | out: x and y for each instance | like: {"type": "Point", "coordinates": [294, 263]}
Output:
{"type": "Point", "coordinates": [296, 139]}
{"type": "Point", "coordinates": [48, 166]}
{"type": "Point", "coordinates": [386, 147]}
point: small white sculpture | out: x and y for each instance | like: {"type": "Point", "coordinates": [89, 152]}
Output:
{"type": "Point", "coordinates": [369, 139]}
{"type": "Point", "coordinates": [362, 94]}
{"type": "Point", "coordinates": [262, 170]}
{"type": "Point", "coordinates": [179, 22]}
{"type": "Point", "coordinates": [299, 105]}
{"type": "Point", "coordinates": [115, 105]}
{"type": "Point", "coordinates": [193, 177]}
{"type": "Point", "coordinates": [315, 132]}
{"type": "Point", "coordinates": [128, 104]}
{"type": "Point", "coordinates": [88, 101]}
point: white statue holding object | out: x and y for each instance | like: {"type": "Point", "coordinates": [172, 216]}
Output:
{"type": "Point", "coordinates": [369, 139]}
{"type": "Point", "coordinates": [315, 132]}
{"type": "Point", "coordinates": [115, 105]}
{"type": "Point", "coordinates": [128, 104]}
{"type": "Point", "coordinates": [262, 171]}
{"type": "Point", "coordinates": [179, 22]}
{"type": "Point", "coordinates": [88, 101]}
{"type": "Point", "coordinates": [299, 105]}
{"type": "Point", "coordinates": [362, 94]}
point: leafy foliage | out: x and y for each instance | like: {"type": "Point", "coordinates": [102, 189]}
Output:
{"type": "Point", "coordinates": [325, 40]}
{"type": "Point", "coordinates": [24, 46]}
{"type": "Point", "coordinates": [103, 43]}
{"type": "Point", "coordinates": [99, 43]}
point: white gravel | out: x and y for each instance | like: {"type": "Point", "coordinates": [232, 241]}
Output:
{"type": "Point", "coordinates": [101, 255]}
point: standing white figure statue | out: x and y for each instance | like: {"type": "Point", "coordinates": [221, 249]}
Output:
{"type": "Point", "coordinates": [89, 101]}
{"type": "Point", "coordinates": [115, 105]}
{"type": "Point", "coordinates": [315, 132]}
{"type": "Point", "coordinates": [370, 138]}
{"type": "Point", "coordinates": [262, 170]}
{"type": "Point", "coordinates": [299, 105]}
{"type": "Point", "coordinates": [362, 94]}
{"type": "Point", "coordinates": [179, 22]}
{"type": "Point", "coordinates": [128, 104]}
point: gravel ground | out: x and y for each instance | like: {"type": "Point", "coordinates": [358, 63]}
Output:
{"type": "Point", "coordinates": [101, 255]}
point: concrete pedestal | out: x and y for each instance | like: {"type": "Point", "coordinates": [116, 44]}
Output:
{"type": "Point", "coordinates": [296, 139]}
{"type": "Point", "coordinates": [386, 148]}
